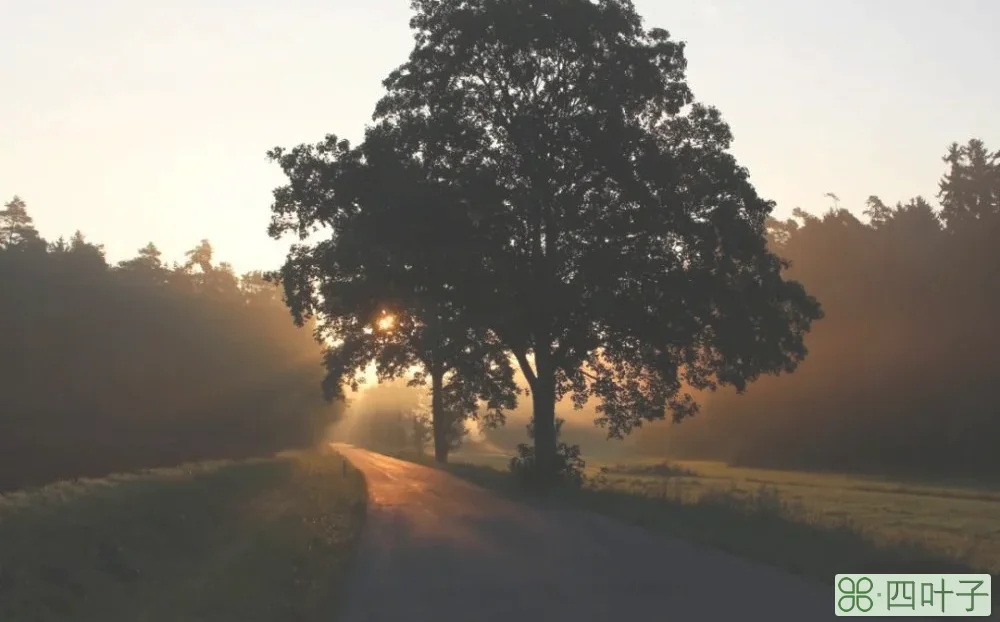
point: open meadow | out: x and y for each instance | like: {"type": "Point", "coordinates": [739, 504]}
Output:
{"type": "Point", "coordinates": [815, 524]}
{"type": "Point", "coordinates": [261, 539]}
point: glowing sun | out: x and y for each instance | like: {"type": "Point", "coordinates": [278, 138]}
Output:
{"type": "Point", "coordinates": [386, 322]}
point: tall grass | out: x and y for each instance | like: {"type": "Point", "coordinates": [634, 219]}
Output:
{"type": "Point", "coordinates": [760, 522]}
{"type": "Point", "coordinates": [247, 541]}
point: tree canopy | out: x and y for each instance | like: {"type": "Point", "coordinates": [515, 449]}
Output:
{"type": "Point", "coordinates": [370, 307]}
{"type": "Point", "coordinates": [543, 169]}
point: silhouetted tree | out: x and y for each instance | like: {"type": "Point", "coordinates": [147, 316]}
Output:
{"type": "Point", "coordinates": [970, 190]}
{"type": "Point", "coordinates": [552, 154]}
{"type": "Point", "coordinates": [355, 282]}
{"type": "Point", "coordinates": [16, 226]}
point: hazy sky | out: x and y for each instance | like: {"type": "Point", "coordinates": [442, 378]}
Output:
{"type": "Point", "coordinates": [138, 121]}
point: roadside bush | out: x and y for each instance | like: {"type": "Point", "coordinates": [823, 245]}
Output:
{"type": "Point", "coordinates": [569, 464]}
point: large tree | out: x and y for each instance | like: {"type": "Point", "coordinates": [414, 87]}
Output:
{"type": "Point", "coordinates": [377, 299]}
{"type": "Point", "coordinates": [587, 210]}
{"type": "Point", "coordinates": [622, 241]}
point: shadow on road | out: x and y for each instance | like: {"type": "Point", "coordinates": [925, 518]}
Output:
{"type": "Point", "coordinates": [761, 529]}
{"type": "Point", "coordinates": [438, 547]}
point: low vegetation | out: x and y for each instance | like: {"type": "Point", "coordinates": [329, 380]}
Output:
{"type": "Point", "coordinates": [258, 539]}
{"type": "Point", "coordinates": [807, 523]}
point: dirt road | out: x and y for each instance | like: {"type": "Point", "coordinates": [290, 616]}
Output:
{"type": "Point", "coordinates": [439, 548]}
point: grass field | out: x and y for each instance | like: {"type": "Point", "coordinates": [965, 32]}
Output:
{"type": "Point", "coordinates": [245, 541]}
{"type": "Point", "coordinates": [810, 523]}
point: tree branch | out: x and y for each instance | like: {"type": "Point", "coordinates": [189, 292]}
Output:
{"type": "Point", "coordinates": [526, 369]}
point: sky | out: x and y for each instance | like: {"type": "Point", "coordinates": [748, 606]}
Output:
{"type": "Point", "coordinates": [138, 122]}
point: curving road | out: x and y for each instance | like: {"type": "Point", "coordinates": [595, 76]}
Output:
{"type": "Point", "coordinates": [438, 548]}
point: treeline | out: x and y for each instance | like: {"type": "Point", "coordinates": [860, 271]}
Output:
{"type": "Point", "coordinates": [114, 367]}
{"type": "Point", "coordinates": [903, 373]}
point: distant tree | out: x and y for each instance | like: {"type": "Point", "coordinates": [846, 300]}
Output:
{"type": "Point", "coordinates": [148, 260]}
{"type": "Point", "coordinates": [387, 430]}
{"type": "Point", "coordinates": [970, 190]}
{"type": "Point", "coordinates": [59, 246]}
{"type": "Point", "coordinates": [217, 279]}
{"type": "Point", "coordinates": [92, 254]}
{"type": "Point", "coordinates": [878, 213]}
{"type": "Point", "coordinates": [913, 222]}
{"type": "Point", "coordinates": [16, 226]}
{"type": "Point", "coordinates": [780, 232]}
{"type": "Point", "coordinates": [605, 233]}
{"type": "Point", "coordinates": [421, 431]}
{"type": "Point", "coordinates": [200, 257]}
{"type": "Point", "coordinates": [258, 289]}
{"type": "Point", "coordinates": [833, 197]}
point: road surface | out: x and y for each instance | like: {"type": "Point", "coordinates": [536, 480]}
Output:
{"type": "Point", "coordinates": [440, 549]}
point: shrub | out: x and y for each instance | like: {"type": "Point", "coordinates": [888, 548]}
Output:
{"type": "Point", "coordinates": [569, 464]}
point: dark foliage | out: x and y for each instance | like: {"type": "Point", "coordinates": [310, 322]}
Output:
{"type": "Point", "coordinates": [108, 368]}
{"type": "Point", "coordinates": [385, 297]}
{"type": "Point", "coordinates": [903, 373]}
{"type": "Point", "coordinates": [568, 469]}
{"type": "Point", "coordinates": [540, 171]}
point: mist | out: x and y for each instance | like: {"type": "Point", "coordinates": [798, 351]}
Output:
{"type": "Point", "coordinates": [140, 364]}
{"type": "Point", "coordinates": [377, 405]}
{"type": "Point", "coordinates": [107, 368]}
{"type": "Point", "coordinates": [902, 372]}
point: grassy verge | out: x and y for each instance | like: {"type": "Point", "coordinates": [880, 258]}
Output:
{"type": "Point", "coordinates": [247, 541]}
{"type": "Point", "coordinates": [775, 522]}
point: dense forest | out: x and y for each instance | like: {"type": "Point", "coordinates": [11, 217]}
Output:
{"type": "Point", "coordinates": [902, 373]}
{"type": "Point", "coordinates": [114, 367]}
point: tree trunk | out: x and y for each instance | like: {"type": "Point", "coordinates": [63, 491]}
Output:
{"type": "Point", "coordinates": [543, 402]}
{"type": "Point", "coordinates": [440, 426]}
